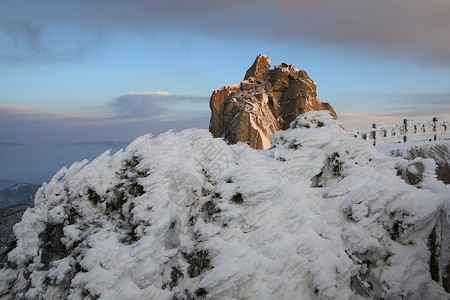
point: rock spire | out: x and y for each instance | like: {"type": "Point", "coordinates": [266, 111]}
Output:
{"type": "Point", "coordinates": [266, 101]}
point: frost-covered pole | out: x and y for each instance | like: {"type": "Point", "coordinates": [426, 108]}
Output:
{"type": "Point", "coordinates": [435, 119]}
{"type": "Point", "coordinates": [405, 124]}
{"type": "Point", "coordinates": [374, 133]}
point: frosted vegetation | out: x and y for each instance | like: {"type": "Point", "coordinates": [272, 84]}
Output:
{"type": "Point", "coordinates": [319, 215]}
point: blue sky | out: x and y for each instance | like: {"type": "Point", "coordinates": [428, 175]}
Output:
{"type": "Point", "coordinates": [73, 71]}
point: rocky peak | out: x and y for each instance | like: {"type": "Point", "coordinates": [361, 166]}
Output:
{"type": "Point", "coordinates": [266, 101]}
{"type": "Point", "coordinates": [260, 68]}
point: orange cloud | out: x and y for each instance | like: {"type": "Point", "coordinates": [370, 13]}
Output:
{"type": "Point", "coordinates": [363, 120]}
{"type": "Point", "coordinates": [34, 113]}
{"type": "Point", "coordinates": [150, 93]}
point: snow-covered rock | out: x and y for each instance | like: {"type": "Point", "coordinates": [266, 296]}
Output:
{"type": "Point", "coordinates": [439, 151]}
{"type": "Point", "coordinates": [319, 215]}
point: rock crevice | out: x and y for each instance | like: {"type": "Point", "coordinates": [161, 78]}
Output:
{"type": "Point", "coordinates": [266, 101]}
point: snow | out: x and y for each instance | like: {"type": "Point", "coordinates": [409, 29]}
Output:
{"type": "Point", "coordinates": [319, 215]}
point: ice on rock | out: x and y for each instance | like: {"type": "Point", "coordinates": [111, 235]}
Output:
{"type": "Point", "coordinates": [319, 215]}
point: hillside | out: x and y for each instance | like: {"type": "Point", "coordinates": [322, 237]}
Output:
{"type": "Point", "coordinates": [8, 218]}
{"type": "Point", "coordinates": [13, 203]}
{"type": "Point", "coordinates": [319, 215]}
{"type": "Point", "coordinates": [5, 183]}
{"type": "Point", "coordinates": [18, 194]}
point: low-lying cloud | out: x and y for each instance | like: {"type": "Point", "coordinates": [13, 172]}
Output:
{"type": "Point", "coordinates": [364, 120]}
{"type": "Point", "coordinates": [122, 119]}
{"type": "Point", "coordinates": [399, 106]}
{"type": "Point", "coordinates": [160, 106]}
{"type": "Point", "coordinates": [402, 28]}
{"type": "Point", "coordinates": [419, 105]}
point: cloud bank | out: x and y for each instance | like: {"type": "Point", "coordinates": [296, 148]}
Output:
{"type": "Point", "coordinates": [417, 105]}
{"type": "Point", "coordinates": [61, 29]}
{"type": "Point", "coordinates": [122, 119]}
{"type": "Point", "coordinates": [160, 106]}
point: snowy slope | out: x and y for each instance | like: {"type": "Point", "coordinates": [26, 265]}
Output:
{"type": "Point", "coordinates": [319, 215]}
{"type": "Point", "coordinates": [437, 150]}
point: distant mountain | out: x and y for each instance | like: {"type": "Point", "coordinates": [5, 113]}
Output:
{"type": "Point", "coordinates": [18, 194]}
{"type": "Point", "coordinates": [6, 183]}
{"type": "Point", "coordinates": [103, 143]}
{"type": "Point", "coordinates": [8, 218]}
{"type": "Point", "coordinates": [13, 203]}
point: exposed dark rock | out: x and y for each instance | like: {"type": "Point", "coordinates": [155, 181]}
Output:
{"type": "Point", "coordinates": [52, 248]}
{"type": "Point", "coordinates": [414, 173]}
{"type": "Point", "coordinates": [197, 263]}
{"type": "Point", "coordinates": [439, 246]}
{"type": "Point", "coordinates": [237, 198]}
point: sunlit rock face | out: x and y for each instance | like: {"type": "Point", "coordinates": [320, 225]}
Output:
{"type": "Point", "coordinates": [265, 102]}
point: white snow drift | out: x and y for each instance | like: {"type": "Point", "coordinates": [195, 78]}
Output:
{"type": "Point", "coordinates": [319, 215]}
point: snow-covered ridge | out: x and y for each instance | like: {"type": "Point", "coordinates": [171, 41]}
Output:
{"type": "Point", "coordinates": [319, 215]}
{"type": "Point", "coordinates": [408, 131]}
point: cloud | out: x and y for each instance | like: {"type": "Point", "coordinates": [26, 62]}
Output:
{"type": "Point", "coordinates": [420, 112]}
{"type": "Point", "coordinates": [438, 100]}
{"type": "Point", "coordinates": [30, 113]}
{"type": "Point", "coordinates": [393, 107]}
{"type": "Point", "coordinates": [418, 105]}
{"type": "Point", "coordinates": [364, 120]}
{"type": "Point", "coordinates": [402, 28]}
{"type": "Point", "coordinates": [150, 93]}
{"type": "Point", "coordinates": [123, 119]}
{"type": "Point", "coordinates": [160, 106]}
